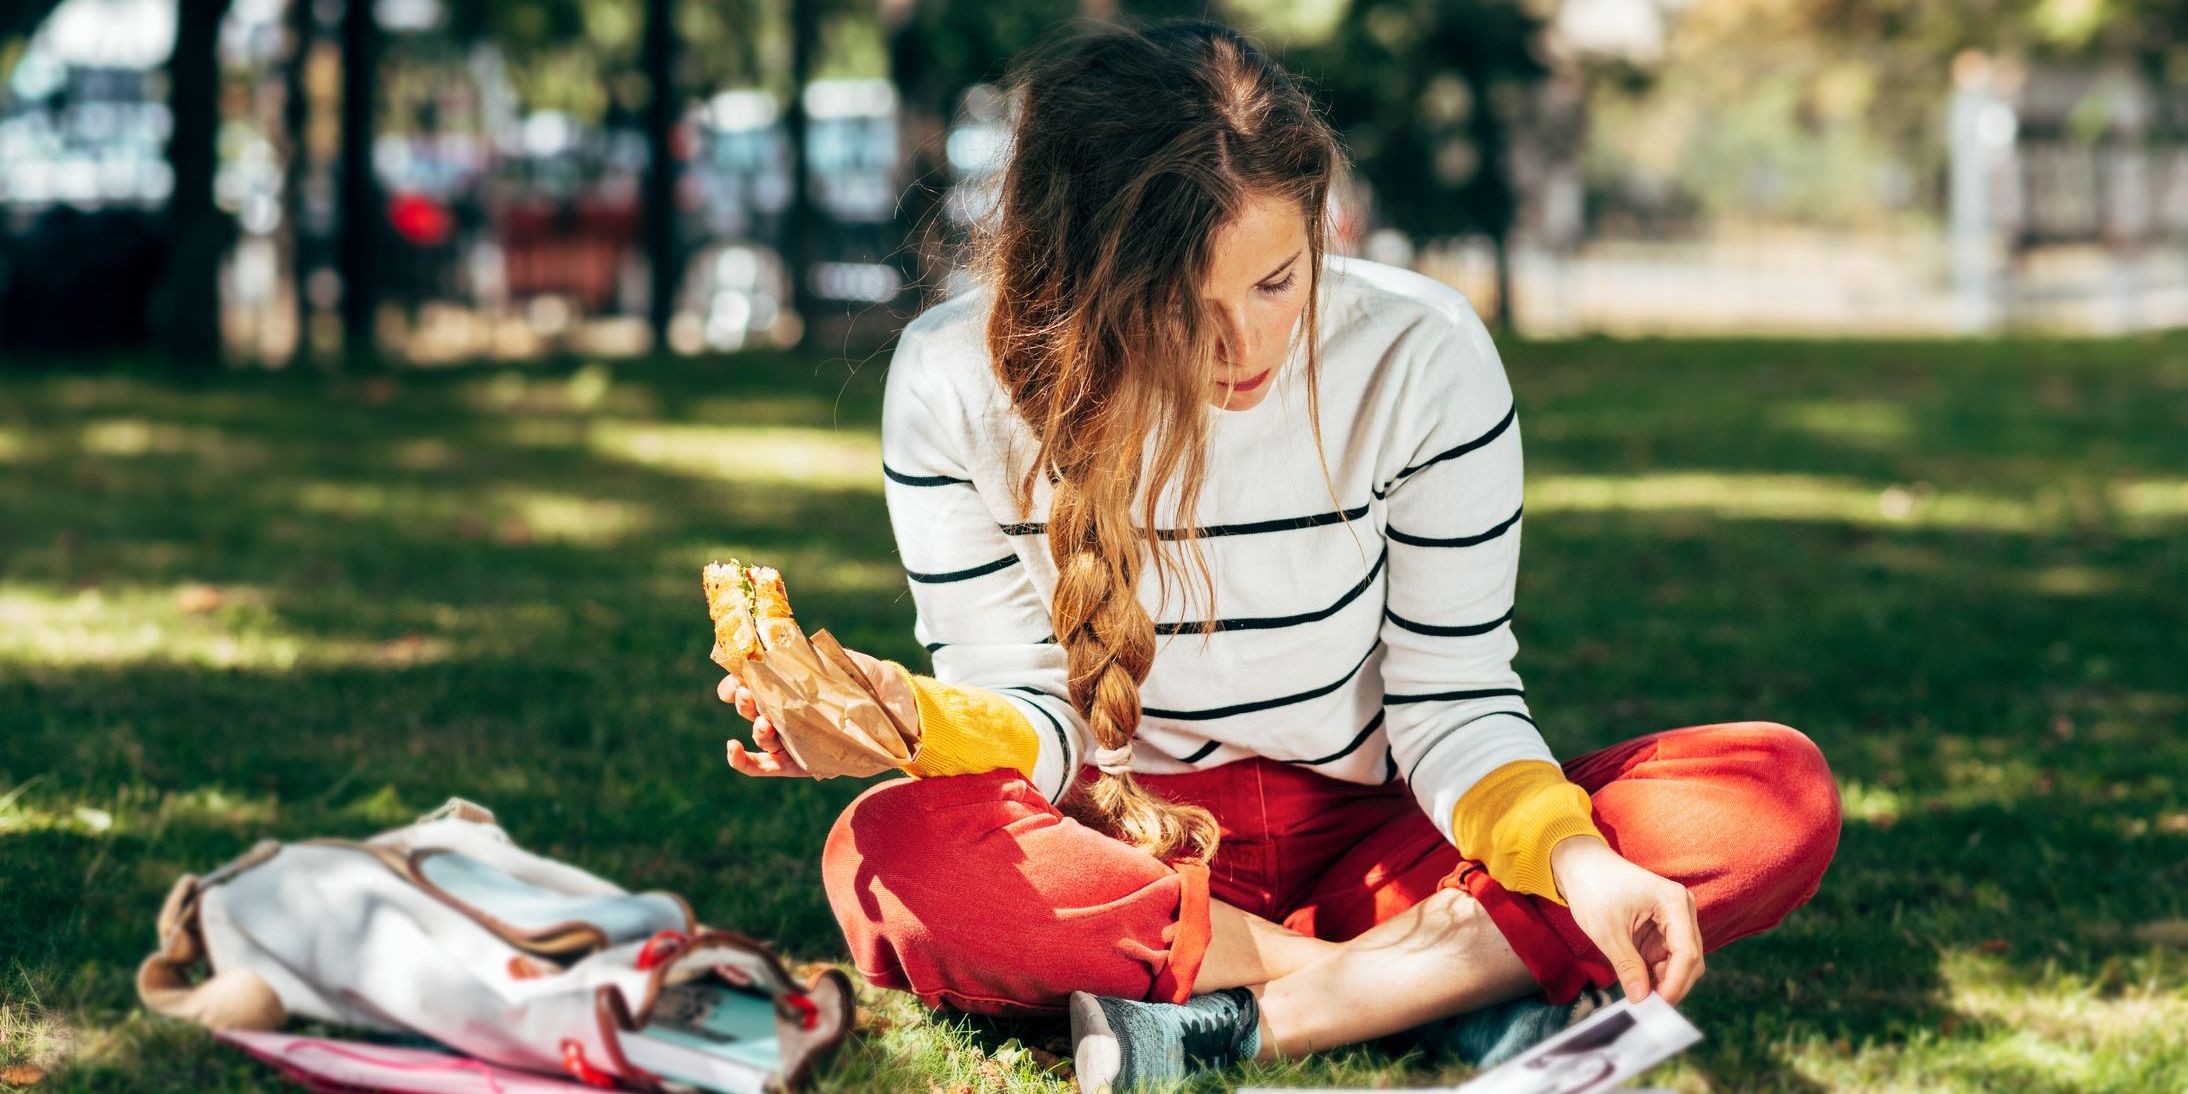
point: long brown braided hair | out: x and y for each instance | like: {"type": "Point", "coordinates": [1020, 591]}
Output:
{"type": "Point", "coordinates": [1133, 146]}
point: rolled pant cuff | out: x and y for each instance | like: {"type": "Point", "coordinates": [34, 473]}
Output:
{"type": "Point", "coordinates": [1189, 946]}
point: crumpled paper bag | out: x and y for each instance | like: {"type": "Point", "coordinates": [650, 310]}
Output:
{"type": "Point", "coordinates": [829, 717]}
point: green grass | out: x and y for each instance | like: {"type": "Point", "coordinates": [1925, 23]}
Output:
{"type": "Point", "coordinates": [277, 606]}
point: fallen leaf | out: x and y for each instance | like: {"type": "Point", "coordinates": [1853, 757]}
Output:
{"type": "Point", "coordinates": [402, 651]}
{"type": "Point", "coordinates": [22, 1075]}
{"type": "Point", "coordinates": [197, 599]}
{"type": "Point", "coordinates": [1993, 945]}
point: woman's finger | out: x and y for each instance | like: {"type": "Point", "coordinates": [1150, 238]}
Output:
{"type": "Point", "coordinates": [764, 735]}
{"type": "Point", "coordinates": [1683, 936]}
{"type": "Point", "coordinates": [1626, 961]}
{"type": "Point", "coordinates": [727, 689]}
{"type": "Point", "coordinates": [751, 763]}
{"type": "Point", "coordinates": [746, 704]}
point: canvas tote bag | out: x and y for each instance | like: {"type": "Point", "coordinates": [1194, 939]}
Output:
{"type": "Point", "coordinates": [446, 929]}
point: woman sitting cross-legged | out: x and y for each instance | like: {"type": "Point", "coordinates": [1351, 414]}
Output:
{"type": "Point", "coordinates": [1214, 537]}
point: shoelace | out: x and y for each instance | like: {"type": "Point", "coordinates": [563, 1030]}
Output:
{"type": "Point", "coordinates": [1211, 1034]}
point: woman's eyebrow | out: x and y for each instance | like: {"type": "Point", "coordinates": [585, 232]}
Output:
{"type": "Point", "coordinates": [1279, 268]}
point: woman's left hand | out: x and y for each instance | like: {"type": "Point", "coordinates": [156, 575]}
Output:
{"type": "Point", "coordinates": [1643, 923]}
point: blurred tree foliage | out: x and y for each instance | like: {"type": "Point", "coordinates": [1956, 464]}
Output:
{"type": "Point", "coordinates": [1830, 112]}
{"type": "Point", "coordinates": [1427, 94]}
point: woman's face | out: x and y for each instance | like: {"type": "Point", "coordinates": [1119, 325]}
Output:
{"type": "Point", "coordinates": [1257, 287]}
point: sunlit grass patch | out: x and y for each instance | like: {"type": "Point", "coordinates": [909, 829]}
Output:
{"type": "Point", "coordinates": [506, 514]}
{"type": "Point", "coordinates": [134, 437]}
{"type": "Point", "coordinates": [2057, 1031]}
{"type": "Point", "coordinates": [1877, 423]}
{"type": "Point", "coordinates": [1795, 497]}
{"type": "Point", "coordinates": [589, 388]}
{"type": "Point", "coordinates": [191, 624]}
{"type": "Point", "coordinates": [2152, 497]}
{"type": "Point", "coordinates": [834, 458]}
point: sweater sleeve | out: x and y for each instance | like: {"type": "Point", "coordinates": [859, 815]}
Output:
{"type": "Point", "coordinates": [964, 731]}
{"type": "Point", "coordinates": [1455, 708]}
{"type": "Point", "coordinates": [975, 609]}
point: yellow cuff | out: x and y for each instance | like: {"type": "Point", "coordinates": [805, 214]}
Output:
{"type": "Point", "coordinates": [964, 730]}
{"type": "Point", "coordinates": [1511, 819]}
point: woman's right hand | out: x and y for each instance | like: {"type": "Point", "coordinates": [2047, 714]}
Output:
{"type": "Point", "coordinates": [773, 758]}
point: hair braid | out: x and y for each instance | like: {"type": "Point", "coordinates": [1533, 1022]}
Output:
{"type": "Point", "coordinates": [1109, 641]}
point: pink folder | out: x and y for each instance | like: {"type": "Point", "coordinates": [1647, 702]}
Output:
{"type": "Point", "coordinates": [337, 1067]}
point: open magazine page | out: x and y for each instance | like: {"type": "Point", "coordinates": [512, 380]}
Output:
{"type": "Point", "coordinates": [1615, 1043]}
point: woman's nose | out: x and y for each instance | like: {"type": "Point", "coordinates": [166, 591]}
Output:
{"type": "Point", "coordinates": [1232, 346]}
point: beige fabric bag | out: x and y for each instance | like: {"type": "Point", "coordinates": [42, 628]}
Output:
{"type": "Point", "coordinates": [448, 930]}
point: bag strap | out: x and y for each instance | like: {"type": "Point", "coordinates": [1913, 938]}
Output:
{"type": "Point", "coordinates": [233, 999]}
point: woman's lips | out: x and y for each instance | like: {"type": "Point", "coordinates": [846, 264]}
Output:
{"type": "Point", "coordinates": [1250, 384]}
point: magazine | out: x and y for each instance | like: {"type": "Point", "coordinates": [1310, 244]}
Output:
{"type": "Point", "coordinates": [1613, 1044]}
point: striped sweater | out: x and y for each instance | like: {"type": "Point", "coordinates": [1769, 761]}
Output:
{"type": "Point", "coordinates": [1366, 635]}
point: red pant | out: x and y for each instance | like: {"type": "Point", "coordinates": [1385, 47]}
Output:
{"type": "Point", "coordinates": [972, 891]}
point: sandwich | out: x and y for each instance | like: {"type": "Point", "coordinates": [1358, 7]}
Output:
{"type": "Point", "coordinates": [828, 715]}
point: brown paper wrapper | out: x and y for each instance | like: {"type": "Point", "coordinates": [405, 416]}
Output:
{"type": "Point", "coordinates": [830, 719]}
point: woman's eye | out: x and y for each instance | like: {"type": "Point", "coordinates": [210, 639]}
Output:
{"type": "Point", "coordinates": [1283, 285]}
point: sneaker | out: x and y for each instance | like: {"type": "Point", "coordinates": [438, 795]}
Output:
{"type": "Point", "coordinates": [1488, 1036]}
{"type": "Point", "coordinates": [1125, 1044]}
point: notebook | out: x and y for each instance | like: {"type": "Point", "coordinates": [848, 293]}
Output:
{"type": "Point", "coordinates": [710, 1035]}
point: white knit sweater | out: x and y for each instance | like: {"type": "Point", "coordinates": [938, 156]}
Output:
{"type": "Point", "coordinates": [1368, 636]}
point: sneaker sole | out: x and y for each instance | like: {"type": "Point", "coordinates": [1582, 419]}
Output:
{"type": "Point", "coordinates": [1095, 1056]}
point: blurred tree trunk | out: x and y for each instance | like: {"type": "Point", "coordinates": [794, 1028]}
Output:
{"type": "Point", "coordinates": [923, 115]}
{"type": "Point", "coordinates": [664, 253]}
{"type": "Point", "coordinates": [296, 149]}
{"type": "Point", "coordinates": [358, 246]}
{"type": "Point", "coordinates": [1494, 184]}
{"type": "Point", "coordinates": [800, 227]}
{"type": "Point", "coordinates": [189, 298]}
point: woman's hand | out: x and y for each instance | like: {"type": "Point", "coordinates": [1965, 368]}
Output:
{"type": "Point", "coordinates": [1644, 923]}
{"type": "Point", "coordinates": [773, 759]}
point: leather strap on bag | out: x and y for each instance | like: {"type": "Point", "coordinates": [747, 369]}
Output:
{"type": "Point", "coordinates": [234, 999]}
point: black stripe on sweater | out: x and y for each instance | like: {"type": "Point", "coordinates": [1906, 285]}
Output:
{"type": "Point", "coordinates": [981, 570]}
{"type": "Point", "coordinates": [1280, 524]}
{"type": "Point", "coordinates": [1357, 741]}
{"type": "Point", "coordinates": [1263, 704]}
{"type": "Point", "coordinates": [1412, 540]}
{"type": "Point", "coordinates": [1448, 696]}
{"type": "Point", "coordinates": [1272, 622]}
{"type": "Point", "coordinates": [1199, 753]}
{"type": "Point", "coordinates": [933, 646]}
{"type": "Point", "coordinates": [1454, 732]}
{"type": "Point", "coordinates": [1452, 453]}
{"type": "Point", "coordinates": [1063, 740]}
{"type": "Point", "coordinates": [1448, 632]}
{"type": "Point", "coordinates": [922, 480]}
